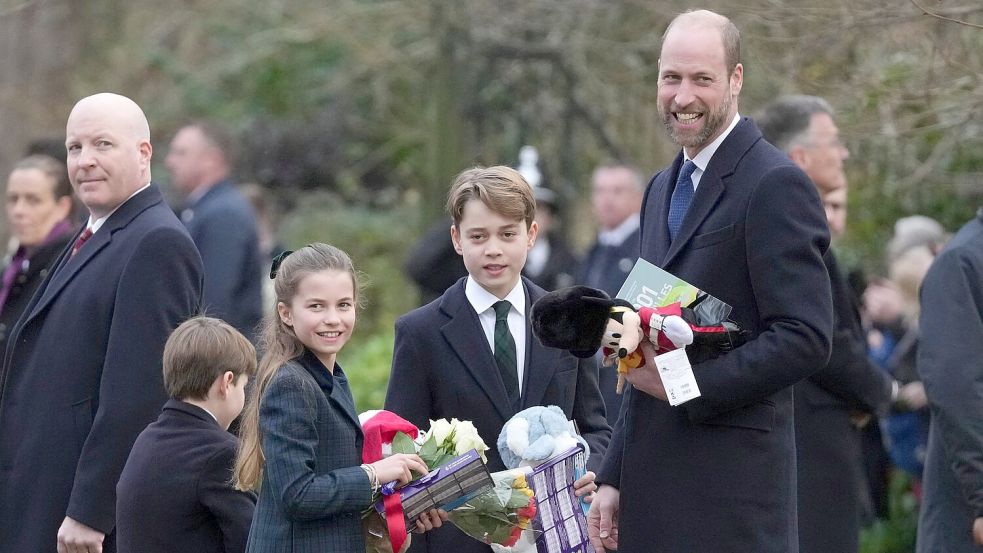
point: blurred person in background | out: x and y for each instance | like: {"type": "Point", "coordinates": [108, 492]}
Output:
{"type": "Point", "coordinates": [39, 211]}
{"type": "Point", "coordinates": [432, 263]}
{"type": "Point", "coordinates": [550, 263]}
{"type": "Point", "coordinates": [616, 200]}
{"type": "Point", "coordinates": [916, 230]}
{"type": "Point", "coordinates": [831, 404]}
{"type": "Point", "coordinates": [834, 203]}
{"type": "Point", "coordinates": [890, 309]}
{"type": "Point", "coordinates": [887, 308]}
{"type": "Point", "coordinates": [221, 223]}
{"type": "Point", "coordinates": [950, 362]}
{"type": "Point", "coordinates": [907, 425]}
{"type": "Point", "coordinates": [266, 224]}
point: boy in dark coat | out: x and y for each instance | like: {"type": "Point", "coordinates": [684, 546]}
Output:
{"type": "Point", "coordinates": [471, 355]}
{"type": "Point", "coordinates": [175, 492]}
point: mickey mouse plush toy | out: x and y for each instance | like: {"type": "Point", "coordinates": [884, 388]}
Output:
{"type": "Point", "coordinates": [582, 320]}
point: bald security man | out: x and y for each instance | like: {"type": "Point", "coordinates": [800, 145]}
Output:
{"type": "Point", "coordinates": [81, 375]}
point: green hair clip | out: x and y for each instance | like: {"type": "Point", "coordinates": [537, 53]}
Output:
{"type": "Point", "coordinates": [275, 267]}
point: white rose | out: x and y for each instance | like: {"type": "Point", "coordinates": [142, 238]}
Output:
{"type": "Point", "coordinates": [439, 429]}
{"type": "Point", "coordinates": [465, 444]}
{"type": "Point", "coordinates": [466, 428]}
{"type": "Point", "coordinates": [466, 437]}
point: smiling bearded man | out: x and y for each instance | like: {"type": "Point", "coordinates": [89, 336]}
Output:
{"type": "Point", "coordinates": [734, 217]}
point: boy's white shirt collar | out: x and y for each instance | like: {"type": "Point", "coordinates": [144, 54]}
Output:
{"type": "Point", "coordinates": [95, 225]}
{"type": "Point", "coordinates": [209, 412]}
{"type": "Point", "coordinates": [702, 159]}
{"type": "Point", "coordinates": [482, 299]}
{"type": "Point", "coordinates": [201, 405]}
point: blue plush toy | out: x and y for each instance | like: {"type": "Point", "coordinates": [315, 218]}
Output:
{"type": "Point", "coordinates": [536, 434]}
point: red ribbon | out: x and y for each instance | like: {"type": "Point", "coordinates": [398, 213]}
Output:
{"type": "Point", "coordinates": [395, 520]}
{"type": "Point", "coordinates": [380, 429]}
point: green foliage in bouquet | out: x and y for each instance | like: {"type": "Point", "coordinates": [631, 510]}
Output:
{"type": "Point", "coordinates": [438, 453]}
{"type": "Point", "coordinates": [500, 514]}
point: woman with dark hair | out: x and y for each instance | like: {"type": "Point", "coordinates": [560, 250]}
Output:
{"type": "Point", "coordinates": [39, 208]}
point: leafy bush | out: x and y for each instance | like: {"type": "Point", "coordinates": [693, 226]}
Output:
{"type": "Point", "coordinates": [366, 361]}
{"type": "Point", "coordinates": [377, 240]}
{"type": "Point", "coordinates": [897, 533]}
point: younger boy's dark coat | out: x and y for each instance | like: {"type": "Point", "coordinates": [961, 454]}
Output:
{"type": "Point", "coordinates": [175, 492]}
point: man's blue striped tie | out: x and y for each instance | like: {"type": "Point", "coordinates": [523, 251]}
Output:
{"type": "Point", "coordinates": [682, 196]}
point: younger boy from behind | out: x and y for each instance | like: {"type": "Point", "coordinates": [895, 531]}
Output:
{"type": "Point", "coordinates": [471, 355]}
{"type": "Point", "coordinates": [175, 492]}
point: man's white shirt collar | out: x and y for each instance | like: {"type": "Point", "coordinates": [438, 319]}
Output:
{"type": "Point", "coordinates": [95, 225]}
{"type": "Point", "coordinates": [702, 159]}
{"type": "Point", "coordinates": [620, 233]}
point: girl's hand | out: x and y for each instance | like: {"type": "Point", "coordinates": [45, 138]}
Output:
{"type": "Point", "coordinates": [430, 520]}
{"type": "Point", "coordinates": [398, 467]}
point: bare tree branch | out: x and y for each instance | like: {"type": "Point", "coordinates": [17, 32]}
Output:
{"type": "Point", "coordinates": [944, 18]}
{"type": "Point", "coordinates": [12, 9]}
{"type": "Point", "coordinates": [577, 104]}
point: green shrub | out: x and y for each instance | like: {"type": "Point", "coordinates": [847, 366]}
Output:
{"type": "Point", "coordinates": [897, 533]}
{"type": "Point", "coordinates": [376, 239]}
{"type": "Point", "coordinates": [366, 361]}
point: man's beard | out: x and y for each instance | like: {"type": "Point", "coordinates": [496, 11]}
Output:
{"type": "Point", "coordinates": [714, 121]}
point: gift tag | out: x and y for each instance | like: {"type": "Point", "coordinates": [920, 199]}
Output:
{"type": "Point", "coordinates": [677, 376]}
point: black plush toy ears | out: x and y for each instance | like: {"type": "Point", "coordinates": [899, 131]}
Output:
{"type": "Point", "coordinates": [572, 319]}
{"type": "Point", "coordinates": [604, 301]}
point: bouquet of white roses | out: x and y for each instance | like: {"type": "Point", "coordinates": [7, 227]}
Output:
{"type": "Point", "coordinates": [496, 516]}
{"type": "Point", "coordinates": [442, 442]}
{"type": "Point", "coordinates": [387, 434]}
